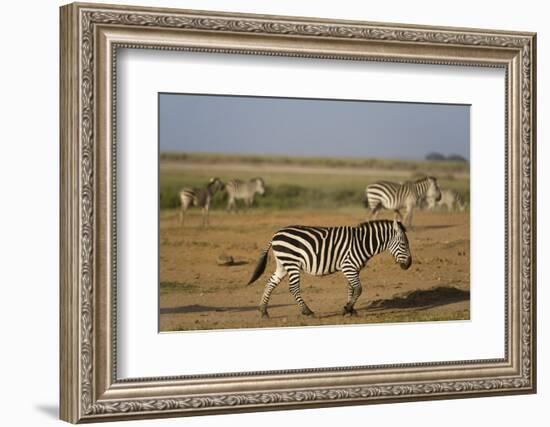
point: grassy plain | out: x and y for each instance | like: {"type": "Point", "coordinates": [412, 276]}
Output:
{"type": "Point", "coordinates": [301, 182]}
{"type": "Point", "coordinates": [196, 293]}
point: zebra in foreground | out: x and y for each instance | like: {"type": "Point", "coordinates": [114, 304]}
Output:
{"type": "Point", "coordinates": [325, 250]}
{"type": "Point", "coordinates": [451, 199]}
{"type": "Point", "coordinates": [393, 196]}
{"type": "Point", "coordinates": [200, 197]}
{"type": "Point", "coordinates": [246, 190]}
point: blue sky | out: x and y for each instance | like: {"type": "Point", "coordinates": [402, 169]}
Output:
{"type": "Point", "coordinates": [311, 127]}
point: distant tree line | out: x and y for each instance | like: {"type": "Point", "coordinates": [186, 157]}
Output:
{"type": "Point", "coordinates": [450, 157]}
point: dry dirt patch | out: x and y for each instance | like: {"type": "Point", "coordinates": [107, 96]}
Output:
{"type": "Point", "coordinates": [197, 293]}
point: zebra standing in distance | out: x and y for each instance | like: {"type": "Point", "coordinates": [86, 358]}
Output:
{"type": "Point", "coordinates": [200, 197]}
{"type": "Point", "coordinates": [393, 196]}
{"type": "Point", "coordinates": [451, 199]}
{"type": "Point", "coordinates": [325, 250]}
{"type": "Point", "coordinates": [246, 190]}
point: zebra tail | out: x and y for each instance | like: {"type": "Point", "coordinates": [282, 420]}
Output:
{"type": "Point", "coordinates": [260, 267]}
{"type": "Point", "coordinates": [366, 201]}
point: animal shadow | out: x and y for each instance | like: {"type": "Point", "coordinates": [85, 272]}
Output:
{"type": "Point", "coordinates": [429, 227]}
{"type": "Point", "coordinates": [421, 298]}
{"type": "Point", "coordinates": [198, 308]}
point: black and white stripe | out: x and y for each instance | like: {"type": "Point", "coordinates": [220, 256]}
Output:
{"type": "Point", "coordinates": [325, 250]}
{"type": "Point", "coordinates": [243, 190]}
{"type": "Point", "coordinates": [199, 197]}
{"type": "Point", "coordinates": [393, 196]}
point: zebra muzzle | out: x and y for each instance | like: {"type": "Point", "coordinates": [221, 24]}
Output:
{"type": "Point", "coordinates": [407, 264]}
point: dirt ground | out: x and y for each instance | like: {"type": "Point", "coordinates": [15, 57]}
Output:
{"type": "Point", "coordinates": [197, 293]}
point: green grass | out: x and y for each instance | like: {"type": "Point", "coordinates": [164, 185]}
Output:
{"type": "Point", "coordinates": [295, 190]}
{"type": "Point", "coordinates": [284, 191]}
{"type": "Point", "coordinates": [177, 287]}
{"type": "Point", "coordinates": [373, 163]}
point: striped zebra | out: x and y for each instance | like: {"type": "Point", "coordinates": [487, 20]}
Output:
{"type": "Point", "coordinates": [246, 190]}
{"type": "Point", "coordinates": [394, 196]}
{"type": "Point", "coordinates": [450, 199]}
{"type": "Point", "coordinates": [325, 250]}
{"type": "Point", "coordinates": [200, 197]}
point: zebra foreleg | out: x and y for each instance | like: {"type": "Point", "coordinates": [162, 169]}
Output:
{"type": "Point", "coordinates": [271, 284]}
{"type": "Point", "coordinates": [294, 287]}
{"type": "Point", "coordinates": [398, 215]}
{"type": "Point", "coordinates": [375, 210]}
{"type": "Point", "coordinates": [182, 213]}
{"type": "Point", "coordinates": [354, 291]}
{"type": "Point", "coordinates": [205, 217]}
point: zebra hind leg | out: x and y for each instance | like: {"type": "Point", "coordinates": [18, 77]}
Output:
{"type": "Point", "coordinates": [183, 212]}
{"type": "Point", "coordinates": [205, 217]}
{"type": "Point", "coordinates": [231, 205]}
{"type": "Point", "coordinates": [409, 216]}
{"type": "Point", "coordinates": [354, 291]}
{"type": "Point", "coordinates": [271, 284]}
{"type": "Point", "coordinates": [294, 287]}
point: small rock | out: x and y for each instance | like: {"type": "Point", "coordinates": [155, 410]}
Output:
{"type": "Point", "coordinates": [225, 260]}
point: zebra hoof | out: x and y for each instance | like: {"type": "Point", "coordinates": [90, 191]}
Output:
{"type": "Point", "coordinates": [349, 310]}
{"type": "Point", "coordinates": [263, 313]}
{"type": "Point", "coordinates": [307, 312]}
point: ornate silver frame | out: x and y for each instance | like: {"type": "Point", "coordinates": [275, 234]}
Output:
{"type": "Point", "coordinates": [90, 36]}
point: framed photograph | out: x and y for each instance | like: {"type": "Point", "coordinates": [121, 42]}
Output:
{"type": "Point", "coordinates": [266, 212]}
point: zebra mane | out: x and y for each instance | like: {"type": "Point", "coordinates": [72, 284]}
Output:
{"type": "Point", "coordinates": [383, 221]}
{"type": "Point", "coordinates": [425, 178]}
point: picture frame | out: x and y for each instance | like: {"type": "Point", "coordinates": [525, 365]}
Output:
{"type": "Point", "coordinates": [91, 34]}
